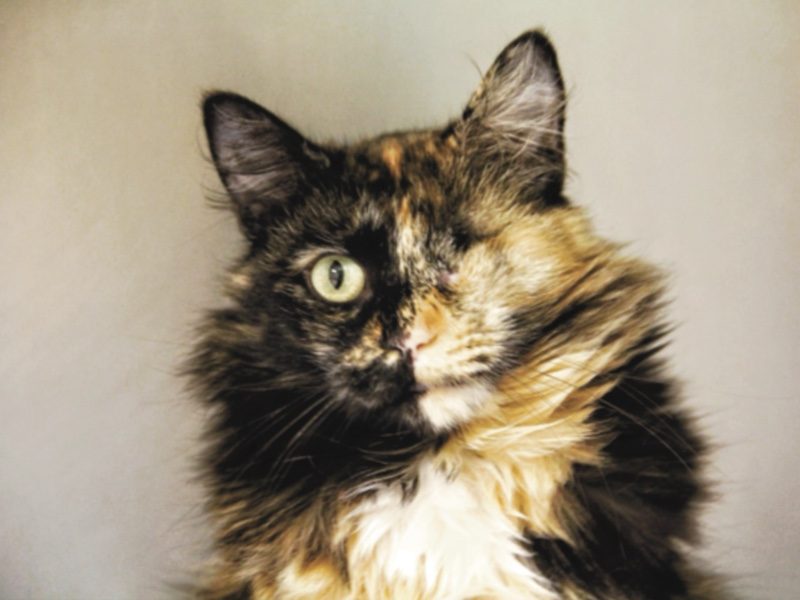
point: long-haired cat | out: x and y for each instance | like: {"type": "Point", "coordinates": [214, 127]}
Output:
{"type": "Point", "coordinates": [434, 381]}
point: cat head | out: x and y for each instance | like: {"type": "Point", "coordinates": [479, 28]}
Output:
{"type": "Point", "coordinates": [399, 279]}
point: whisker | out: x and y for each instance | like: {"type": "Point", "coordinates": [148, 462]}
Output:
{"type": "Point", "coordinates": [650, 431]}
{"type": "Point", "coordinates": [647, 429]}
{"type": "Point", "coordinates": [644, 401]}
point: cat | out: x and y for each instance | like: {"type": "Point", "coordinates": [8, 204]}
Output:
{"type": "Point", "coordinates": [434, 381]}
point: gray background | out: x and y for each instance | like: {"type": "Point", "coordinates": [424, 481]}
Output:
{"type": "Point", "coordinates": [683, 138]}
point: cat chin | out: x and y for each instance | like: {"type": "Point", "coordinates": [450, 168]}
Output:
{"type": "Point", "coordinates": [447, 407]}
{"type": "Point", "coordinates": [427, 410]}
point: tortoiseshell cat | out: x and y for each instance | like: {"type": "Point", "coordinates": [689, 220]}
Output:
{"type": "Point", "coordinates": [435, 381]}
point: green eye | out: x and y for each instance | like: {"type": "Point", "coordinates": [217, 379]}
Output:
{"type": "Point", "coordinates": [337, 278]}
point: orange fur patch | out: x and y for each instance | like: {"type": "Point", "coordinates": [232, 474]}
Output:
{"type": "Point", "coordinates": [392, 156]}
{"type": "Point", "coordinates": [431, 316]}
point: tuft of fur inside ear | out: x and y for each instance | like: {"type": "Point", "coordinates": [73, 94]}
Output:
{"type": "Point", "coordinates": [262, 161]}
{"type": "Point", "coordinates": [514, 122]}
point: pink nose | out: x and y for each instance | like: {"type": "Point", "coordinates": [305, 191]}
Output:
{"type": "Point", "coordinates": [430, 319]}
{"type": "Point", "coordinates": [417, 338]}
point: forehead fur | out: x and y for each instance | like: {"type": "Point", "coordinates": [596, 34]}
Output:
{"type": "Point", "coordinates": [402, 160]}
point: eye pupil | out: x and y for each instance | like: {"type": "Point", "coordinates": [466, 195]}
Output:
{"type": "Point", "coordinates": [337, 278]}
{"type": "Point", "coordinates": [336, 274]}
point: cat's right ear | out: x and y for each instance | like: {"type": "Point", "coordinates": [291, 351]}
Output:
{"type": "Point", "coordinates": [263, 162]}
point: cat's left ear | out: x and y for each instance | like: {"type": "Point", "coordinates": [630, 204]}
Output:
{"type": "Point", "coordinates": [263, 162]}
{"type": "Point", "coordinates": [514, 122]}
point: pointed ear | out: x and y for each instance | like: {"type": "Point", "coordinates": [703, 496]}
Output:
{"type": "Point", "coordinates": [261, 160]}
{"type": "Point", "coordinates": [515, 119]}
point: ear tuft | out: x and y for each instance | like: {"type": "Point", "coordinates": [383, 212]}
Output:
{"type": "Point", "coordinates": [516, 116]}
{"type": "Point", "coordinates": [261, 160]}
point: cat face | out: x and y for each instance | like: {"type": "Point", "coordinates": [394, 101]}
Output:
{"type": "Point", "coordinates": [397, 279]}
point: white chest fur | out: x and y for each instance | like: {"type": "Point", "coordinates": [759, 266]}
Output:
{"type": "Point", "coordinates": [450, 541]}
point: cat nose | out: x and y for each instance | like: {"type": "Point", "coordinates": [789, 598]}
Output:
{"type": "Point", "coordinates": [413, 340]}
{"type": "Point", "coordinates": [430, 319]}
{"type": "Point", "coordinates": [418, 337]}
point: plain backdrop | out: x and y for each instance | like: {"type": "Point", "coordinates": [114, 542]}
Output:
{"type": "Point", "coordinates": [683, 138]}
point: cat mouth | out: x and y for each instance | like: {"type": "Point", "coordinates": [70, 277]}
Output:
{"type": "Point", "coordinates": [445, 387]}
{"type": "Point", "coordinates": [439, 382]}
{"type": "Point", "coordinates": [419, 389]}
